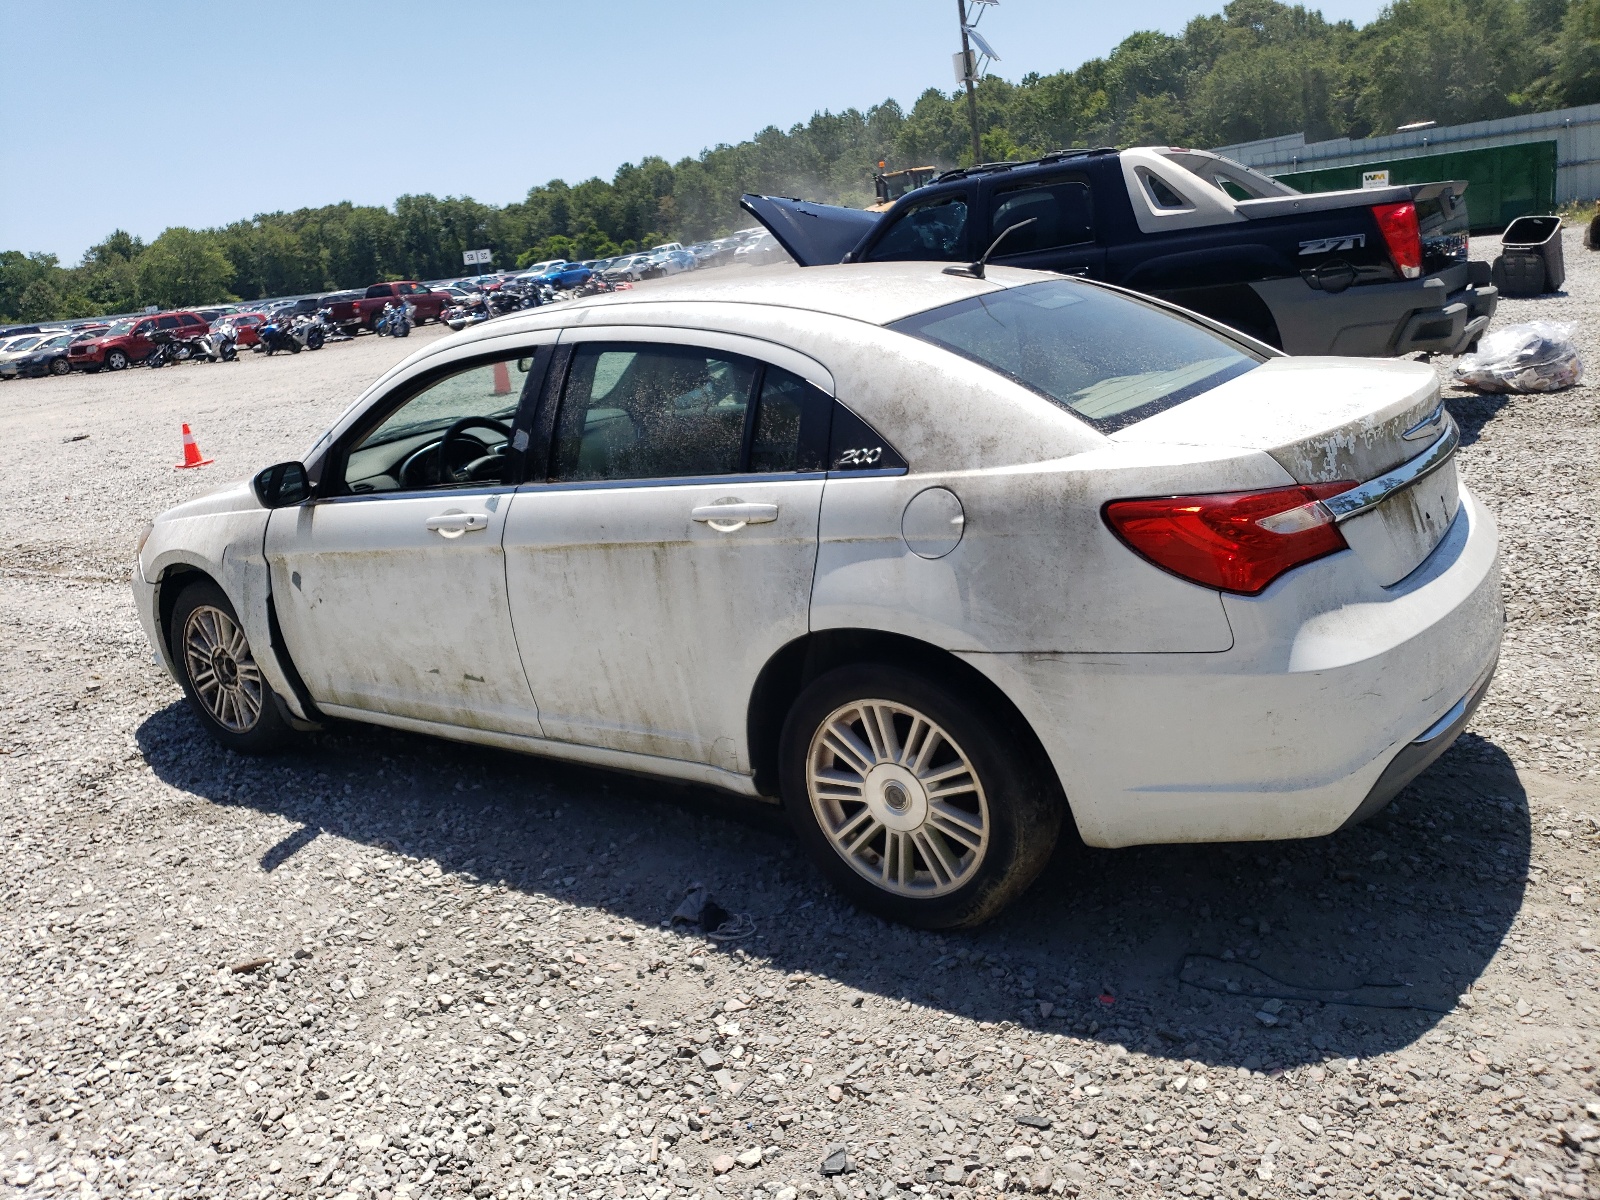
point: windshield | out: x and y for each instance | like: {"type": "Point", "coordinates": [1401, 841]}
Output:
{"type": "Point", "coordinates": [27, 343]}
{"type": "Point", "coordinates": [1105, 357]}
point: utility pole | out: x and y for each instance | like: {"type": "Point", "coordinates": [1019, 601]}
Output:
{"type": "Point", "coordinates": [967, 64]}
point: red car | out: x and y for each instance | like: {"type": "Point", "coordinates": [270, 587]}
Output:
{"type": "Point", "coordinates": [127, 342]}
{"type": "Point", "coordinates": [246, 327]}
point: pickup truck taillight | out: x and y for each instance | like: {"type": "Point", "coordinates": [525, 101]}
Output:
{"type": "Point", "coordinates": [1402, 234]}
{"type": "Point", "coordinates": [1233, 541]}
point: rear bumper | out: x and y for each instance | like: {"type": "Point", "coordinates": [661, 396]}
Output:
{"type": "Point", "coordinates": [1442, 313]}
{"type": "Point", "coordinates": [1421, 752]}
{"type": "Point", "coordinates": [1332, 682]}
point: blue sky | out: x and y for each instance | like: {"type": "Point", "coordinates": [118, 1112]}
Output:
{"type": "Point", "coordinates": [117, 116]}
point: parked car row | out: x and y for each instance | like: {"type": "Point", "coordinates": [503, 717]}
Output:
{"type": "Point", "coordinates": [114, 345]}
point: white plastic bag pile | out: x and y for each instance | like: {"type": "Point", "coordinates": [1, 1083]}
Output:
{"type": "Point", "coordinates": [1536, 357]}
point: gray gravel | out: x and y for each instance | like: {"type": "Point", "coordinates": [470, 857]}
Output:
{"type": "Point", "coordinates": [384, 966]}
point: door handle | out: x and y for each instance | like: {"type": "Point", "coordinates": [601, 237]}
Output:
{"type": "Point", "coordinates": [453, 524]}
{"type": "Point", "coordinates": [726, 516]}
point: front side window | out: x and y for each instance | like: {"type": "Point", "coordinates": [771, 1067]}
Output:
{"type": "Point", "coordinates": [455, 432]}
{"type": "Point", "coordinates": [1062, 215]}
{"type": "Point", "coordinates": [935, 229]}
{"type": "Point", "coordinates": [651, 412]}
{"type": "Point", "coordinates": [166, 322]}
{"type": "Point", "coordinates": [1108, 358]}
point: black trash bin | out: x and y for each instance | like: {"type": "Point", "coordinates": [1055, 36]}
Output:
{"type": "Point", "coordinates": [1528, 237]}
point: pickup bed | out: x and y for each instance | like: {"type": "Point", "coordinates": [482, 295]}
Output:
{"type": "Point", "coordinates": [1378, 272]}
{"type": "Point", "coordinates": [363, 313]}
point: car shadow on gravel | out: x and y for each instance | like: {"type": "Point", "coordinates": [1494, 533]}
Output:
{"type": "Point", "coordinates": [1260, 955]}
{"type": "Point", "coordinates": [1473, 410]}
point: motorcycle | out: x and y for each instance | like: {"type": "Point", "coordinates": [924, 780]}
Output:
{"type": "Point", "coordinates": [171, 348]}
{"type": "Point", "coordinates": [330, 331]}
{"type": "Point", "coordinates": [312, 332]}
{"type": "Point", "coordinates": [459, 316]}
{"type": "Point", "coordinates": [277, 336]}
{"type": "Point", "coordinates": [395, 320]}
{"type": "Point", "coordinates": [221, 344]}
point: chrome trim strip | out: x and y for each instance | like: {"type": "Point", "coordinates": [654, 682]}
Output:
{"type": "Point", "coordinates": [1375, 491]}
{"type": "Point", "coordinates": [1425, 426]}
{"type": "Point", "coordinates": [1443, 723]}
{"type": "Point", "coordinates": [731, 480]}
{"type": "Point", "coordinates": [1439, 727]}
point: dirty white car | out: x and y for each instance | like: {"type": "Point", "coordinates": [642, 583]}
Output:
{"type": "Point", "coordinates": [938, 560]}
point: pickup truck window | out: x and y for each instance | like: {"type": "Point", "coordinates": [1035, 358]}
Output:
{"type": "Point", "coordinates": [379, 289]}
{"type": "Point", "coordinates": [935, 229]}
{"type": "Point", "coordinates": [1065, 217]}
{"type": "Point", "coordinates": [1161, 192]}
{"type": "Point", "coordinates": [1105, 357]}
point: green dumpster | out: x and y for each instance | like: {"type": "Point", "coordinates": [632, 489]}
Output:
{"type": "Point", "coordinates": [1505, 182]}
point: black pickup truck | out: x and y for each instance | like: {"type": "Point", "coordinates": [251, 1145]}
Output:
{"type": "Point", "coordinates": [1383, 271]}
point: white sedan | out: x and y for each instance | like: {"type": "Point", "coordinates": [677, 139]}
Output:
{"type": "Point", "coordinates": [938, 561]}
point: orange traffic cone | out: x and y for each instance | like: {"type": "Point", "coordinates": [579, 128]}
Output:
{"type": "Point", "coordinates": [191, 452]}
{"type": "Point", "coordinates": [502, 380]}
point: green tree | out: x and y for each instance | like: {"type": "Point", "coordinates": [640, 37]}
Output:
{"type": "Point", "coordinates": [183, 267]}
{"type": "Point", "coordinates": [1578, 62]}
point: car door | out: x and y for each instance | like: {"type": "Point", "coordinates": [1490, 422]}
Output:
{"type": "Point", "coordinates": [1060, 230]}
{"type": "Point", "coordinates": [667, 550]}
{"type": "Point", "coordinates": [390, 584]}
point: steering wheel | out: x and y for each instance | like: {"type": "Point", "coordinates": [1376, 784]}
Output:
{"type": "Point", "coordinates": [447, 473]}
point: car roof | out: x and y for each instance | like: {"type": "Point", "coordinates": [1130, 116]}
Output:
{"type": "Point", "coordinates": [877, 293]}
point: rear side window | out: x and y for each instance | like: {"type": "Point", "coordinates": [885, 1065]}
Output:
{"type": "Point", "coordinates": [166, 322]}
{"type": "Point", "coordinates": [378, 289]}
{"type": "Point", "coordinates": [651, 412]}
{"type": "Point", "coordinates": [1062, 215]}
{"type": "Point", "coordinates": [935, 229]}
{"type": "Point", "coordinates": [1105, 357]}
{"type": "Point", "coordinates": [186, 319]}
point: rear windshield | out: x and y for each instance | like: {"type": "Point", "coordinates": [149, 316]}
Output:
{"type": "Point", "coordinates": [1104, 357]}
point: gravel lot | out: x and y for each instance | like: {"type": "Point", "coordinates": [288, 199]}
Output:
{"type": "Point", "coordinates": [386, 966]}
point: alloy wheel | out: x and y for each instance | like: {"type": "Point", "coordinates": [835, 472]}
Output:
{"type": "Point", "coordinates": [221, 670]}
{"type": "Point", "coordinates": [897, 798]}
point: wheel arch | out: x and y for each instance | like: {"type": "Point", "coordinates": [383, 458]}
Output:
{"type": "Point", "coordinates": [265, 635]}
{"type": "Point", "coordinates": [787, 673]}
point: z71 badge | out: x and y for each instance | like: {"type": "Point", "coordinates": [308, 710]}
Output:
{"type": "Point", "coordinates": [1350, 241]}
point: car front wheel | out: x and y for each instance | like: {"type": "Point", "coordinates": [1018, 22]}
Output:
{"type": "Point", "coordinates": [916, 802]}
{"type": "Point", "coordinates": [219, 674]}
{"type": "Point", "coordinates": [116, 360]}
{"type": "Point", "coordinates": [60, 366]}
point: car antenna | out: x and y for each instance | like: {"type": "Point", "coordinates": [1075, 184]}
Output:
{"type": "Point", "coordinates": [975, 270]}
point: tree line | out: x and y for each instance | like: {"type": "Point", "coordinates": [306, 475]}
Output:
{"type": "Point", "coordinates": [1258, 69]}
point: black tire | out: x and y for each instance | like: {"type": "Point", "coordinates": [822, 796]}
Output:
{"type": "Point", "coordinates": [116, 360]}
{"type": "Point", "coordinates": [60, 366]}
{"type": "Point", "coordinates": [266, 729]}
{"type": "Point", "coordinates": [1017, 798]}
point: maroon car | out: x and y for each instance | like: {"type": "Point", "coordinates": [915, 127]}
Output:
{"type": "Point", "coordinates": [364, 313]}
{"type": "Point", "coordinates": [128, 341]}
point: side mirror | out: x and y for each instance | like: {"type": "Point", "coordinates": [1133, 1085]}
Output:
{"type": "Point", "coordinates": [282, 486]}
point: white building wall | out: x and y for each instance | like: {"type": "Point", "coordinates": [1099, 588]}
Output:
{"type": "Point", "coordinates": [1576, 132]}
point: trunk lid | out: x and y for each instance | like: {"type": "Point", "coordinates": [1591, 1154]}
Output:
{"type": "Point", "coordinates": [1378, 424]}
{"type": "Point", "coordinates": [814, 235]}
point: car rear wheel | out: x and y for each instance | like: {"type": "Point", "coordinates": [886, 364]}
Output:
{"type": "Point", "coordinates": [916, 802]}
{"type": "Point", "coordinates": [219, 674]}
{"type": "Point", "coordinates": [60, 366]}
{"type": "Point", "coordinates": [116, 360]}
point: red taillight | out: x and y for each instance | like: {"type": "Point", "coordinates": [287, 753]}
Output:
{"type": "Point", "coordinates": [1234, 541]}
{"type": "Point", "coordinates": [1402, 234]}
